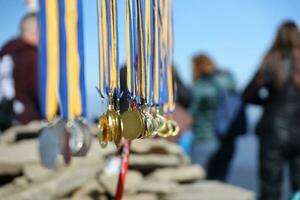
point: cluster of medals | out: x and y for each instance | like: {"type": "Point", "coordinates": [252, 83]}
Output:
{"type": "Point", "coordinates": [61, 81]}
{"type": "Point", "coordinates": [150, 85]}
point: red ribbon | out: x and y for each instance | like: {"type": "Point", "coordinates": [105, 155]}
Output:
{"type": "Point", "coordinates": [124, 169]}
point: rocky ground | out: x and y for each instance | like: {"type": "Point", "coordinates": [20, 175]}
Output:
{"type": "Point", "coordinates": [157, 170]}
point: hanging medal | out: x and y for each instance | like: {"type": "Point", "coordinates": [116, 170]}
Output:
{"type": "Point", "coordinates": [110, 125]}
{"type": "Point", "coordinates": [72, 96]}
{"type": "Point", "coordinates": [49, 139]}
{"type": "Point", "coordinates": [133, 125]}
{"type": "Point", "coordinates": [167, 96]}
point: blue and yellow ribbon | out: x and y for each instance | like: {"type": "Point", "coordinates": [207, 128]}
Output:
{"type": "Point", "coordinates": [48, 58]}
{"type": "Point", "coordinates": [62, 59]}
{"type": "Point", "coordinates": [108, 47]}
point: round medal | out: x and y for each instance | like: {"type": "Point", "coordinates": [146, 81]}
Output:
{"type": "Point", "coordinates": [49, 147]}
{"type": "Point", "coordinates": [115, 125]}
{"type": "Point", "coordinates": [103, 131]}
{"type": "Point", "coordinates": [133, 125]}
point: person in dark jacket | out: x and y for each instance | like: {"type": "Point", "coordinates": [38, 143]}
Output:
{"type": "Point", "coordinates": [208, 82]}
{"type": "Point", "coordinates": [18, 72]}
{"type": "Point", "coordinates": [276, 87]}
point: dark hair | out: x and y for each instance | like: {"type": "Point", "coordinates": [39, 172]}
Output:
{"type": "Point", "coordinates": [202, 65]}
{"type": "Point", "coordinates": [26, 17]}
{"type": "Point", "coordinates": [286, 46]}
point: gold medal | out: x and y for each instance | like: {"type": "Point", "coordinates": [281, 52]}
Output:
{"type": "Point", "coordinates": [103, 131]}
{"type": "Point", "coordinates": [133, 125]}
{"type": "Point", "coordinates": [114, 122]}
{"type": "Point", "coordinates": [175, 127]}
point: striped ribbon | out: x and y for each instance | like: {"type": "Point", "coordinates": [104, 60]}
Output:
{"type": "Point", "coordinates": [62, 59]}
{"type": "Point", "coordinates": [108, 47]}
{"type": "Point", "coordinates": [48, 58]}
{"type": "Point", "coordinates": [166, 55]}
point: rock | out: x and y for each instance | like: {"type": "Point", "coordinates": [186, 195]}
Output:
{"type": "Point", "coordinates": [96, 150]}
{"type": "Point", "coordinates": [21, 181]}
{"type": "Point", "coordinates": [155, 146]}
{"type": "Point", "coordinates": [157, 187]}
{"type": "Point", "coordinates": [9, 189]}
{"type": "Point", "coordinates": [145, 196]}
{"type": "Point", "coordinates": [63, 182]}
{"type": "Point", "coordinates": [11, 134]}
{"type": "Point", "coordinates": [14, 157]}
{"type": "Point", "coordinates": [36, 172]}
{"type": "Point", "coordinates": [210, 190]}
{"type": "Point", "coordinates": [182, 174]}
{"type": "Point", "coordinates": [133, 180]}
{"type": "Point", "coordinates": [153, 161]}
{"type": "Point", "coordinates": [87, 189]}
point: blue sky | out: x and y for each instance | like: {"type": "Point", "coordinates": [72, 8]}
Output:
{"type": "Point", "coordinates": [235, 33]}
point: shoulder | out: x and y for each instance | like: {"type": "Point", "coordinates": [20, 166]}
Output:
{"type": "Point", "coordinates": [12, 46]}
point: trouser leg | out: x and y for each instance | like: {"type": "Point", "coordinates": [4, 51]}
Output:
{"type": "Point", "coordinates": [270, 172]}
{"type": "Point", "coordinates": [220, 161]}
{"type": "Point", "coordinates": [294, 163]}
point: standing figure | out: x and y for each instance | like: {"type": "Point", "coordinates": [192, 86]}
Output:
{"type": "Point", "coordinates": [208, 83]}
{"type": "Point", "coordinates": [276, 87]}
{"type": "Point", "coordinates": [18, 76]}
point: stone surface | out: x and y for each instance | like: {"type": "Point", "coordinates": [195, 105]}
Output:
{"type": "Point", "coordinates": [36, 172]}
{"type": "Point", "coordinates": [86, 190]}
{"type": "Point", "coordinates": [180, 174]}
{"type": "Point", "coordinates": [156, 146]}
{"type": "Point", "coordinates": [64, 182]}
{"type": "Point", "coordinates": [10, 135]}
{"type": "Point", "coordinates": [210, 190]}
{"type": "Point", "coordinates": [133, 180]}
{"type": "Point", "coordinates": [157, 187]}
{"type": "Point", "coordinates": [14, 157]}
{"type": "Point", "coordinates": [142, 196]}
{"type": "Point", "coordinates": [152, 161]}
{"type": "Point", "coordinates": [96, 150]}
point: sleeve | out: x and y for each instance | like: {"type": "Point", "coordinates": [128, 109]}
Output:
{"type": "Point", "coordinates": [195, 101]}
{"type": "Point", "coordinates": [184, 94]}
{"type": "Point", "coordinates": [251, 92]}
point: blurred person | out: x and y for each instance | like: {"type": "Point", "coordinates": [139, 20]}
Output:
{"type": "Point", "coordinates": [276, 87]}
{"type": "Point", "coordinates": [209, 81]}
{"type": "Point", "coordinates": [18, 75]}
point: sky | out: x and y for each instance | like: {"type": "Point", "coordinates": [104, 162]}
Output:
{"type": "Point", "coordinates": [236, 34]}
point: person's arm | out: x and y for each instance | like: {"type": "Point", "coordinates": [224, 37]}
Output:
{"type": "Point", "coordinates": [195, 101]}
{"type": "Point", "coordinates": [251, 93]}
{"type": "Point", "coordinates": [184, 94]}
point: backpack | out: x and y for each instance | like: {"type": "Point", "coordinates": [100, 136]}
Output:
{"type": "Point", "coordinates": [230, 115]}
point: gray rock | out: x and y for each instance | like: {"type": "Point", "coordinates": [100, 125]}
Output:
{"type": "Point", "coordinates": [36, 172]}
{"type": "Point", "coordinates": [14, 157]}
{"type": "Point", "coordinates": [145, 196]}
{"type": "Point", "coordinates": [152, 161]}
{"type": "Point", "coordinates": [64, 182]}
{"type": "Point", "coordinates": [156, 146]}
{"type": "Point", "coordinates": [87, 189]}
{"type": "Point", "coordinates": [10, 135]}
{"type": "Point", "coordinates": [179, 174]}
{"type": "Point", "coordinates": [210, 190]}
{"type": "Point", "coordinates": [157, 187]}
{"type": "Point", "coordinates": [133, 180]}
{"type": "Point", "coordinates": [96, 150]}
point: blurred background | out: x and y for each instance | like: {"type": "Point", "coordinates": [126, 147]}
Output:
{"type": "Point", "coordinates": [236, 34]}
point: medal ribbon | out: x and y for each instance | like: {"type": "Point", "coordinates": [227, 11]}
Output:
{"type": "Point", "coordinates": [132, 47]}
{"type": "Point", "coordinates": [72, 95]}
{"type": "Point", "coordinates": [48, 58]}
{"type": "Point", "coordinates": [156, 70]}
{"type": "Point", "coordinates": [108, 46]}
{"type": "Point", "coordinates": [170, 74]}
{"type": "Point", "coordinates": [142, 88]}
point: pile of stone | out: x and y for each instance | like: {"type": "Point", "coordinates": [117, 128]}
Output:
{"type": "Point", "coordinates": [158, 170]}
